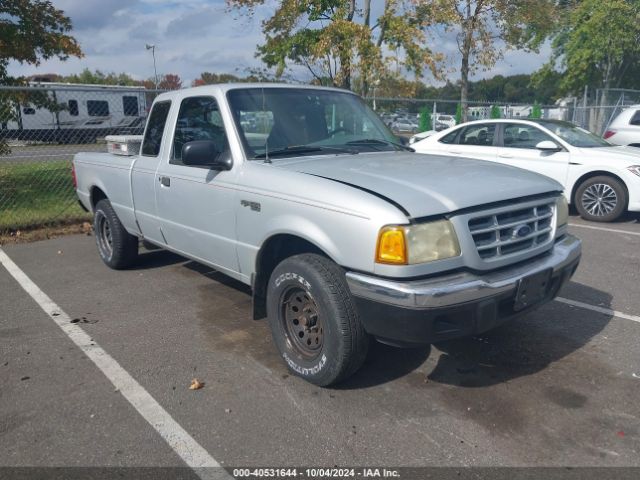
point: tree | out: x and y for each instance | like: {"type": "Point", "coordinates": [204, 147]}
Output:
{"type": "Point", "coordinates": [494, 112]}
{"type": "Point", "coordinates": [536, 111]}
{"type": "Point", "coordinates": [485, 28]}
{"type": "Point", "coordinates": [337, 40]}
{"type": "Point", "coordinates": [425, 120]}
{"type": "Point", "coordinates": [30, 31]}
{"type": "Point", "coordinates": [100, 78]}
{"type": "Point", "coordinates": [170, 81]}
{"type": "Point", "coordinates": [597, 44]}
{"type": "Point", "coordinates": [458, 116]}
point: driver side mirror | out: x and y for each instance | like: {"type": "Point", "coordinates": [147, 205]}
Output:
{"type": "Point", "coordinates": [548, 146]}
{"type": "Point", "coordinates": [205, 153]}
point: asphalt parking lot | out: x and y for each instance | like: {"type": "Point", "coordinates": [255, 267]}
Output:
{"type": "Point", "coordinates": [556, 388]}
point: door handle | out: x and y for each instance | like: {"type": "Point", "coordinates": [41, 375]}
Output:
{"type": "Point", "coordinates": [165, 181]}
{"type": "Point", "coordinates": [505, 155]}
{"type": "Point", "coordinates": [455, 152]}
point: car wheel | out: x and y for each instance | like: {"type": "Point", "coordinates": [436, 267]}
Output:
{"type": "Point", "coordinates": [117, 247]}
{"type": "Point", "coordinates": [313, 320]}
{"type": "Point", "coordinates": [601, 199]}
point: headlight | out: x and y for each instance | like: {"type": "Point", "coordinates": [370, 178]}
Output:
{"type": "Point", "coordinates": [562, 209]}
{"type": "Point", "coordinates": [411, 244]}
{"type": "Point", "coordinates": [634, 169]}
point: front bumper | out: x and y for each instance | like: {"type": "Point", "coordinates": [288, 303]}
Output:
{"type": "Point", "coordinates": [415, 312]}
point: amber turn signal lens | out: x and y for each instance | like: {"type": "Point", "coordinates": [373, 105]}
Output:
{"type": "Point", "coordinates": [391, 246]}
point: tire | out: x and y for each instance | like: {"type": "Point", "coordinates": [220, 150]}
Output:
{"type": "Point", "coordinates": [118, 248]}
{"type": "Point", "coordinates": [326, 342]}
{"type": "Point", "coordinates": [601, 199]}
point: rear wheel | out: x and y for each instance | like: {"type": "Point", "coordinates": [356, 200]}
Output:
{"type": "Point", "coordinates": [601, 199]}
{"type": "Point", "coordinates": [117, 247]}
{"type": "Point", "coordinates": [313, 320]}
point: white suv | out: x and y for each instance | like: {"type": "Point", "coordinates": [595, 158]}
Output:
{"type": "Point", "coordinates": [625, 129]}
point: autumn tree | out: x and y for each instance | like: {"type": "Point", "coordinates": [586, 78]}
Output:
{"type": "Point", "coordinates": [485, 28]}
{"type": "Point", "coordinates": [30, 31]}
{"type": "Point", "coordinates": [336, 40]}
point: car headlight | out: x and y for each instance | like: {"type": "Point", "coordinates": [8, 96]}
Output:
{"type": "Point", "coordinates": [634, 169]}
{"type": "Point", "coordinates": [562, 209]}
{"type": "Point", "coordinates": [420, 243]}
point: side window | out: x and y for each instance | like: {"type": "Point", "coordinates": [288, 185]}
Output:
{"type": "Point", "coordinates": [97, 108]}
{"type": "Point", "coordinates": [155, 126]}
{"type": "Point", "coordinates": [73, 108]}
{"type": "Point", "coordinates": [450, 138]}
{"type": "Point", "coordinates": [635, 120]}
{"type": "Point", "coordinates": [481, 135]}
{"type": "Point", "coordinates": [198, 119]}
{"type": "Point", "coordinates": [523, 136]}
{"type": "Point", "coordinates": [130, 106]}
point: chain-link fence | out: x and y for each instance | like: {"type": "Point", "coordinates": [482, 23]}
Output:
{"type": "Point", "coordinates": [42, 127]}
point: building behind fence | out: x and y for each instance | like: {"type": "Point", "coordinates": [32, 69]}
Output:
{"type": "Point", "coordinates": [43, 126]}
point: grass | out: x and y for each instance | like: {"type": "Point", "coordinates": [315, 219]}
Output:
{"type": "Point", "coordinates": [35, 194]}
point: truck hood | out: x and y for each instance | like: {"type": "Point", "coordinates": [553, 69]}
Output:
{"type": "Point", "coordinates": [425, 185]}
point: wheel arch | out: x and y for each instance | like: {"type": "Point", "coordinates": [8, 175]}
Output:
{"type": "Point", "coordinates": [95, 195]}
{"type": "Point", "coordinates": [591, 174]}
{"type": "Point", "coordinates": [274, 250]}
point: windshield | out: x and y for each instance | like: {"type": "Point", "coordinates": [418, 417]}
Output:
{"type": "Point", "coordinates": [576, 136]}
{"type": "Point", "coordinates": [279, 121]}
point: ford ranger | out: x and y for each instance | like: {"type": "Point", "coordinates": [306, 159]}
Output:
{"type": "Point", "coordinates": [343, 233]}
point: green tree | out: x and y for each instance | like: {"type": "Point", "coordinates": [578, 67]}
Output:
{"type": "Point", "coordinates": [458, 116]}
{"type": "Point", "coordinates": [485, 28]}
{"type": "Point", "coordinates": [337, 40]}
{"type": "Point", "coordinates": [536, 111]}
{"type": "Point", "coordinates": [597, 44]}
{"type": "Point", "coordinates": [425, 123]}
{"type": "Point", "coordinates": [100, 78]}
{"type": "Point", "coordinates": [495, 112]}
{"type": "Point", "coordinates": [30, 31]}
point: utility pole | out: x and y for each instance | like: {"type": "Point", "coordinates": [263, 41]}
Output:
{"type": "Point", "coordinates": [153, 53]}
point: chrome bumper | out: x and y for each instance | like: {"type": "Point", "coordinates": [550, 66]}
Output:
{"type": "Point", "coordinates": [464, 287]}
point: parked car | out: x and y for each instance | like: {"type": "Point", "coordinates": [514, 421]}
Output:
{"type": "Point", "coordinates": [342, 233]}
{"type": "Point", "coordinates": [448, 120]}
{"type": "Point", "coordinates": [625, 128]}
{"type": "Point", "coordinates": [404, 126]}
{"type": "Point", "coordinates": [601, 180]}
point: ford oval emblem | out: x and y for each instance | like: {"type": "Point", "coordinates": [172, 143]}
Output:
{"type": "Point", "coordinates": [521, 231]}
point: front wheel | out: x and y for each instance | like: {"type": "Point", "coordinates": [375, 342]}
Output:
{"type": "Point", "coordinates": [117, 247]}
{"type": "Point", "coordinates": [313, 320]}
{"type": "Point", "coordinates": [601, 199]}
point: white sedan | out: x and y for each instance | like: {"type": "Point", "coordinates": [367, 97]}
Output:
{"type": "Point", "coordinates": [600, 179]}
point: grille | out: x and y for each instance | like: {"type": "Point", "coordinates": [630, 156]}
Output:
{"type": "Point", "coordinates": [514, 231]}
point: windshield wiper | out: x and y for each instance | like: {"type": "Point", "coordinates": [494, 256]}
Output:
{"type": "Point", "coordinates": [379, 141]}
{"type": "Point", "coordinates": [304, 149]}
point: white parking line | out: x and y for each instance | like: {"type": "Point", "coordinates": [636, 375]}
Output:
{"type": "Point", "coordinates": [606, 311]}
{"type": "Point", "coordinates": [191, 452]}
{"type": "Point", "coordinates": [603, 229]}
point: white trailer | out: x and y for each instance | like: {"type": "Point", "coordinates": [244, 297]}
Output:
{"type": "Point", "coordinates": [82, 114]}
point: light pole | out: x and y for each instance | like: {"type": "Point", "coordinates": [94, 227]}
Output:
{"type": "Point", "coordinates": [153, 53]}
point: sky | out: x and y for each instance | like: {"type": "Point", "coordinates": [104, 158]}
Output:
{"type": "Point", "coordinates": [193, 36]}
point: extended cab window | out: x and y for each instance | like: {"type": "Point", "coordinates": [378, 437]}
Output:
{"type": "Point", "coordinates": [518, 135]}
{"type": "Point", "coordinates": [635, 120]}
{"type": "Point", "coordinates": [198, 119]}
{"type": "Point", "coordinates": [155, 127]}
{"type": "Point", "coordinates": [481, 134]}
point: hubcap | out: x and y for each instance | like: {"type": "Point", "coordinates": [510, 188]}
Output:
{"type": "Point", "coordinates": [105, 240]}
{"type": "Point", "coordinates": [599, 199]}
{"type": "Point", "coordinates": [301, 322]}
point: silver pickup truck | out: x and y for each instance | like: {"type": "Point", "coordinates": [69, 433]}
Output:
{"type": "Point", "coordinates": [343, 233]}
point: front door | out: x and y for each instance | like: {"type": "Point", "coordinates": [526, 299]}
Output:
{"type": "Point", "coordinates": [518, 148]}
{"type": "Point", "coordinates": [197, 204]}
